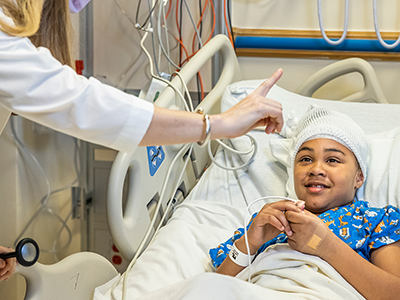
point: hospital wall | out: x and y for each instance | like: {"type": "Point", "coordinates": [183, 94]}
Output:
{"type": "Point", "coordinates": [119, 60]}
{"type": "Point", "coordinates": [302, 15]}
{"type": "Point", "coordinates": [118, 57]}
{"type": "Point", "coordinates": [23, 187]}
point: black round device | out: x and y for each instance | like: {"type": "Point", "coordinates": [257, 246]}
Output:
{"type": "Point", "coordinates": [26, 252]}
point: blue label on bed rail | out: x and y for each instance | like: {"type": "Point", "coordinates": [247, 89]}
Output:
{"type": "Point", "coordinates": [156, 156]}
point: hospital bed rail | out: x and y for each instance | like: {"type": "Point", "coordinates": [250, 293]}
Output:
{"type": "Point", "coordinates": [128, 226]}
{"type": "Point", "coordinates": [372, 91]}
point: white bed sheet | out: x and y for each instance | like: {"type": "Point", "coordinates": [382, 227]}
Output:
{"type": "Point", "coordinates": [177, 266]}
{"type": "Point", "coordinates": [215, 208]}
{"type": "Point", "coordinates": [180, 250]}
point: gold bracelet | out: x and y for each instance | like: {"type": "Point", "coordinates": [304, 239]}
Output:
{"type": "Point", "coordinates": [206, 120]}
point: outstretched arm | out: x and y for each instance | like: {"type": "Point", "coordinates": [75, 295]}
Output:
{"type": "Point", "coordinates": [175, 127]}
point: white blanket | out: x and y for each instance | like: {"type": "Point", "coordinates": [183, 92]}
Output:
{"type": "Point", "coordinates": [177, 266]}
{"type": "Point", "coordinates": [279, 273]}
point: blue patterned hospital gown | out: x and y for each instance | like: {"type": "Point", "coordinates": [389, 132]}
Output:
{"type": "Point", "coordinates": [362, 227]}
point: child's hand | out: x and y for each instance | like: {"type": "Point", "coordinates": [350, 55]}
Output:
{"type": "Point", "coordinates": [310, 234]}
{"type": "Point", "coordinates": [7, 267]}
{"type": "Point", "coordinates": [270, 222]}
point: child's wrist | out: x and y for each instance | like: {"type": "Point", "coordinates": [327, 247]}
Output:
{"type": "Point", "coordinates": [241, 245]}
{"type": "Point", "coordinates": [329, 247]}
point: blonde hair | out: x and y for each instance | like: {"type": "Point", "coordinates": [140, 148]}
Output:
{"type": "Point", "coordinates": [47, 24]}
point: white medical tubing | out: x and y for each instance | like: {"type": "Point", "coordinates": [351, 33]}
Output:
{"type": "Point", "coordinates": [174, 191]}
{"type": "Point", "coordinates": [246, 221]}
{"type": "Point", "coordinates": [166, 32]}
{"type": "Point", "coordinates": [44, 201]}
{"type": "Point", "coordinates": [167, 56]}
{"type": "Point", "coordinates": [321, 25]}
{"type": "Point", "coordinates": [161, 45]}
{"type": "Point", "coordinates": [151, 226]}
{"type": "Point", "coordinates": [160, 78]}
{"type": "Point", "coordinates": [146, 52]}
{"type": "Point", "coordinates": [184, 149]}
{"type": "Point", "coordinates": [228, 156]}
{"type": "Point", "coordinates": [253, 149]}
{"type": "Point", "coordinates": [153, 38]}
{"type": "Point", "coordinates": [194, 25]}
{"type": "Point", "coordinates": [378, 34]}
{"type": "Point", "coordinates": [190, 108]}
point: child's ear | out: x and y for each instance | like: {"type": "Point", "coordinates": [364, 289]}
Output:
{"type": "Point", "coordinates": [359, 179]}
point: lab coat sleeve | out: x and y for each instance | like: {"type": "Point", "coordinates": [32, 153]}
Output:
{"type": "Point", "coordinates": [35, 85]}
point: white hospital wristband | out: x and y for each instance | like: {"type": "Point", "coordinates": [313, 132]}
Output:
{"type": "Point", "coordinates": [239, 257]}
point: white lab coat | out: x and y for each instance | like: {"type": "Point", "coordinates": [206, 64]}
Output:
{"type": "Point", "coordinates": [33, 84]}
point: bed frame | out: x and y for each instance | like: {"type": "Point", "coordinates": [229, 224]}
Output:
{"type": "Point", "coordinates": [128, 226]}
{"type": "Point", "coordinates": [133, 189]}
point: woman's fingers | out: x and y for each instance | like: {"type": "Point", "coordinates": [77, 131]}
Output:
{"type": "Point", "coordinates": [269, 113]}
{"type": "Point", "coordinates": [266, 86]}
{"type": "Point", "coordinates": [253, 111]}
{"type": "Point", "coordinates": [8, 268]}
{"type": "Point", "coordinates": [272, 119]}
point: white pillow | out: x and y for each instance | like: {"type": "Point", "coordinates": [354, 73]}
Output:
{"type": "Point", "coordinates": [372, 117]}
{"type": "Point", "coordinates": [381, 122]}
{"type": "Point", "coordinates": [382, 186]}
{"type": "Point", "coordinates": [383, 182]}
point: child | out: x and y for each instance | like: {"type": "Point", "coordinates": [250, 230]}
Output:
{"type": "Point", "coordinates": [362, 243]}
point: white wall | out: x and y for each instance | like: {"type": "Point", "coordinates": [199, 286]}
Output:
{"type": "Point", "coordinates": [117, 49]}
{"type": "Point", "coordinates": [117, 43]}
{"type": "Point", "coordinates": [302, 15]}
{"type": "Point", "coordinates": [22, 187]}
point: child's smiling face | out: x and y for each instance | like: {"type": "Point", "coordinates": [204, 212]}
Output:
{"type": "Point", "coordinates": [326, 175]}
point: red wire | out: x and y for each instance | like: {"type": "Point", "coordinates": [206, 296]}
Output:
{"type": "Point", "coordinates": [169, 9]}
{"type": "Point", "coordinates": [179, 29]}
{"type": "Point", "coordinates": [183, 47]}
{"type": "Point", "coordinates": [198, 25]}
{"type": "Point", "coordinates": [213, 28]}
{"type": "Point", "coordinates": [201, 86]}
{"type": "Point", "coordinates": [209, 38]}
{"type": "Point", "coordinates": [226, 24]}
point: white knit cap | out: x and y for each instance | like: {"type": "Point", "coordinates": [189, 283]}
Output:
{"type": "Point", "coordinates": [326, 124]}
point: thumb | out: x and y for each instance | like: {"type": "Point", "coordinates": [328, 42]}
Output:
{"type": "Point", "coordinates": [266, 86]}
{"type": "Point", "coordinates": [2, 263]}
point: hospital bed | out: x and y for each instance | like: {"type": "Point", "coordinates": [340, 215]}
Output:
{"type": "Point", "coordinates": [209, 203]}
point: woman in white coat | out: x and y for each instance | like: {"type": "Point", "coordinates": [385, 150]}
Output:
{"type": "Point", "coordinates": [38, 83]}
